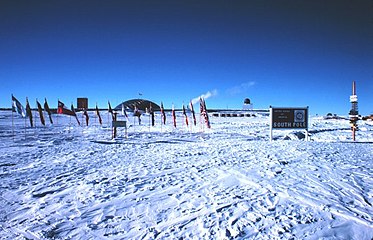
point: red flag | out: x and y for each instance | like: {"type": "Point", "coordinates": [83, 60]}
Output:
{"type": "Point", "coordinates": [186, 117]}
{"type": "Point", "coordinates": [163, 114]}
{"type": "Point", "coordinates": [40, 110]}
{"type": "Point", "coordinates": [98, 115]}
{"type": "Point", "coordinates": [193, 113]}
{"type": "Point", "coordinates": [63, 110]}
{"type": "Point", "coordinates": [28, 112]}
{"type": "Point", "coordinates": [174, 115]}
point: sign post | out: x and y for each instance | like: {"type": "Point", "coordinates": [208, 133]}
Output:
{"type": "Point", "coordinates": [116, 124]}
{"type": "Point", "coordinates": [288, 118]}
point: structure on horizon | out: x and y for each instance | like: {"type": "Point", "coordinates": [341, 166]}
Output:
{"type": "Point", "coordinates": [247, 105]}
{"type": "Point", "coordinates": [140, 104]}
{"type": "Point", "coordinates": [82, 103]}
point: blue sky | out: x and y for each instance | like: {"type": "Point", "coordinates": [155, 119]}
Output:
{"type": "Point", "coordinates": [275, 52]}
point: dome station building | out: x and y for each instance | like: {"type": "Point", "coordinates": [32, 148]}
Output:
{"type": "Point", "coordinates": [141, 104]}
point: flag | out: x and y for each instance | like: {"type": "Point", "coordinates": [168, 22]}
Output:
{"type": "Point", "coordinates": [201, 111]}
{"type": "Point", "coordinates": [46, 108]}
{"type": "Point", "coordinates": [174, 115]}
{"type": "Point", "coordinates": [152, 114]}
{"type": "Point", "coordinates": [193, 113]}
{"type": "Point", "coordinates": [163, 114]}
{"type": "Point", "coordinates": [63, 110]}
{"type": "Point", "coordinates": [74, 114]}
{"type": "Point", "coordinates": [137, 113]}
{"type": "Point", "coordinates": [40, 110]}
{"type": "Point", "coordinates": [110, 110]}
{"type": "Point", "coordinates": [85, 113]}
{"type": "Point", "coordinates": [124, 111]}
{"type": "Point", "coordinates": [28, 112]}
{"type": "Point", "coordinates": [186, 117]}
{"type": "Point", "coordinates": [204, 112]}
{"type": "Point", "coordinates": [98, 115]}
{"type": "Point", "coordinates": [17, 107]}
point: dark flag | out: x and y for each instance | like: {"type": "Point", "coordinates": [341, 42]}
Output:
{"type": "Point", "coordinates": [186, 117]}
{"type": "Point", "coordinates": [152, 114]}
{"type": "Point", "coordinates": [193, 113]}
{"type": "Point", "coordinates": [17, 107]}
{"type": "Point", "coordinates": [98, 115]}
{"type": "Point", "coordinates": [40, 110]}
{"type": "Point", "coordinates": [76, 117]}
{"type": "Point", "coordinates": [63, 110]}
{"type": "Point", "coordinates": [174, 115]}
{"type": "Point", "coordinates": [85, 113]}
{"type": "Point", "coordinates": [163, 114]}
{"type": "Point", "coordinates": [124, 113]}
{"type": "Point", "coordinates": [46, 108]}
{"type": "Point", "coordinates": [28, 112]}
{"type": "Point", "coordinates": [201, 111]}
{"type": "Point", "coordinates": [111, 111]}
{"type": "Point", "coordinates": [207, 119]}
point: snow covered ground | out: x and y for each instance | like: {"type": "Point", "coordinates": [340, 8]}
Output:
{"type": "Point", "coordinates": [63, 181]}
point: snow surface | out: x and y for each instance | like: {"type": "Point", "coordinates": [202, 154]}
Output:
{"type": "Point", "coordinates": [63, 181]}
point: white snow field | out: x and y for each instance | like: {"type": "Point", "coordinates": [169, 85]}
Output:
{"type": "Point", "coordinates": [65, 181]}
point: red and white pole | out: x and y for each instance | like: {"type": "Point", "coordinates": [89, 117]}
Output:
{"type": "Point", "coordinates": [354, 113]}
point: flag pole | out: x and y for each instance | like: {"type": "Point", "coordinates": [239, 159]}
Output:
{"type": "Point", "coordinates": [35, 119]}
{"type": "Point", "coordinates": [25, 128]}
{"type": "Point", "coordinates": [57, 117]}
{"type": "Point", "coordinates": [149, 119]}
{"type": "Point", "coordinates": [12, 121]}
{"type": "Point", "coordinates": [134, 122]}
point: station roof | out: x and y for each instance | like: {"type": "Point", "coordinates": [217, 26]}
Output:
{"type": "Point", "coordinates": [141, 104]}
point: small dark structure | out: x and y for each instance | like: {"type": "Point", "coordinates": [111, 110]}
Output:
{"type": "Point", "coordinates": [82, 103]}
{"type": "Point", "coordinates": [247, 101]}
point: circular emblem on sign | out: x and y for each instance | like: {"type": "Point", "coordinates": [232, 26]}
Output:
{"type": "Point", "coordinates": [299, 116]}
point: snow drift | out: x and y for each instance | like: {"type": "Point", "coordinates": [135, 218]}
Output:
{"type": "Point", "coordinates": [63, 181]}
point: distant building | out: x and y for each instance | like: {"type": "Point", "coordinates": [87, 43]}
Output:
{"type": "Point", "coordinates": [141, 104]}
{"type": "Point", "coordinates": [82, 103]}
{"type": "Point", "coordinates": [247, 105]}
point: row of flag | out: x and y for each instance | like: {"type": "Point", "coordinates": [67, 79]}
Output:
{"type": "Point", "coordinates": [62, 109]}
{"type": "Point", "coordinates": [18, 107]}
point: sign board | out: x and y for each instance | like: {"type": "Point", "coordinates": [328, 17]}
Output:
{"type": "Point", "coordinates": [119, 124]}
{"type": "Point", "coordinates": [288, 118]}
{"type": "Point", "coordinates": [82, 103]}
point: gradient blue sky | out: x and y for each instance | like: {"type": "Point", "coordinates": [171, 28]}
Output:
{"type": "Point", "coordinates": [275, 52]}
